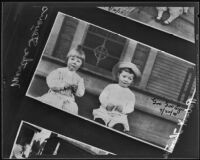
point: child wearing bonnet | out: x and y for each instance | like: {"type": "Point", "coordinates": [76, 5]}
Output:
{"type": "Point", "coordinates": [117, 100]}
{"type": "Point", "coordinates": [64, 83]}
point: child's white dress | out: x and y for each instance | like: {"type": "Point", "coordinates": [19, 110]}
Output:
{"type": "Point", "coordinates": [63, 98]}
{"type": "Point", "coordinates": [117, 96]}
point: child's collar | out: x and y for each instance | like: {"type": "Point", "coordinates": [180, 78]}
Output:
{"type": "Point", "coordinates": [70, 70]}
{"type": "Point", "coordinates": [122, 86]}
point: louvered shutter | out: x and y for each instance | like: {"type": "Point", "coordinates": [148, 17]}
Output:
{"type": "Point", "coordinates": [168, 75]}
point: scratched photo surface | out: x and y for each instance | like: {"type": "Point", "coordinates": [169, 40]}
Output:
{"type": "Point", "coordinates": [36, 142]}
{"type": "Point", "coordinates": [166, 82]}
{"type": "Point", "coordinates": [178, 21]}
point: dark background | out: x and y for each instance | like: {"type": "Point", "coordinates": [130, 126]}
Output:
{"type": "Point", "coordinates": [17, 21]}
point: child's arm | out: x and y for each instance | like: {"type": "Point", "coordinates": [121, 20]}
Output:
{"type": "Point", "coordinates": [103, 98]}
{"type": "Point", "coordinates": [129, 107]}
{"type": "Point", "coordinates": [54, 80]}
{"type": "Point", "coordinates": [80, 91]}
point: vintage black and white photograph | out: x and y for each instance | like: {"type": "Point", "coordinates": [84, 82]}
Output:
{"type": "Point", "coordinates": [178, 21]}
{"type": "Point", "coordinates": [33, 141]}
{"type": "Point", "coordinates": [114, 81]}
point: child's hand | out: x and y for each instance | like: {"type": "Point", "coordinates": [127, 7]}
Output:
{"type": "Point", "coordinates": [74, 88]}
{"type": "Point", "coordinates": [119, 109]}
{"type": "Point", "coordinates": [109, 107]}
{"type": "Point", "coordinates": [55, 88]}
{"type": "Point", "coordinates": [67, 85]}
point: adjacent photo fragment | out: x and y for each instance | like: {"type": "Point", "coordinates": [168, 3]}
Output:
{"type": "Point", "coordinates": [115, 82]}
{"type": "Point", "coordinates": [178, 21]}
{"type": "Point", "coordinates": [36, 142]}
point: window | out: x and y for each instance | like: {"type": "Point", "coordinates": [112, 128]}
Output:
{"type": "Point", "coordinates": [103, 49]}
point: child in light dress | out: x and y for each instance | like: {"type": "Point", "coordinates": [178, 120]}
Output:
{"type": "Point", "coordinates": [64, 83]}
{"type": "Point", "coordinates": [117, 100]}
{"type": "Point", "coordinates": [174, 12]}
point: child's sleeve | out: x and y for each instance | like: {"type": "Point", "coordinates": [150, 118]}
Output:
{"type": "Point", "coordinates": [103, 98]}
{"type": "Point", "coordinates": [81, 88]}
{"type": "Point", "coordinates": [55, 79]}
{"type": "Point", "coordinates": [129, 107]}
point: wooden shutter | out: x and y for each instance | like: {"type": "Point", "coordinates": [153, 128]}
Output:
{"type": "Point", "coordinates": [188, 85]}
{"type": "Point", "coordinates": [140, 56]}
{"type": "Point", "coordinates": [167, 76]}
{"type": "Point", "coordinates": [65, 38]}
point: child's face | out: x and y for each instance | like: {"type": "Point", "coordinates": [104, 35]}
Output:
{"type": "Point", "coordinates": [125, 79]}
{"type": "Point", "coordinates": [74, 63]}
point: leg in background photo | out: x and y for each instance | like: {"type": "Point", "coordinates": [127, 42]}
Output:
{"type": "Point", "coordinates": [160, 10]}
{"type": "Point", "coordinates": [174, 13]}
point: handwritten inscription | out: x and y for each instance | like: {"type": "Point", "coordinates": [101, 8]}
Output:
{"type": "Point", "coordinates": [32, 42]}
{"type": "Point", "coordinates": [155, 101]}
{"type": "Point", "coordinates": [166, 108]}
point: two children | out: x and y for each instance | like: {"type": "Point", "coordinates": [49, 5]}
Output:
{"type": "Point", "coordinates": [117, 100]}
{"type": "Point", "coordinates": [65, 83]}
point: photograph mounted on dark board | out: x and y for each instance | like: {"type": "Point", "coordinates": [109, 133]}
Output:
{"type": "Point", "coordinates": [139, 88]}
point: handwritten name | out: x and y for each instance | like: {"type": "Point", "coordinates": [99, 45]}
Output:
{"type": "Point", "coordinates": [32, 42]}
{"type": "Point", "coordinates": [156, 102]}
{"type": "Point", "coordinates": [167, 109]}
